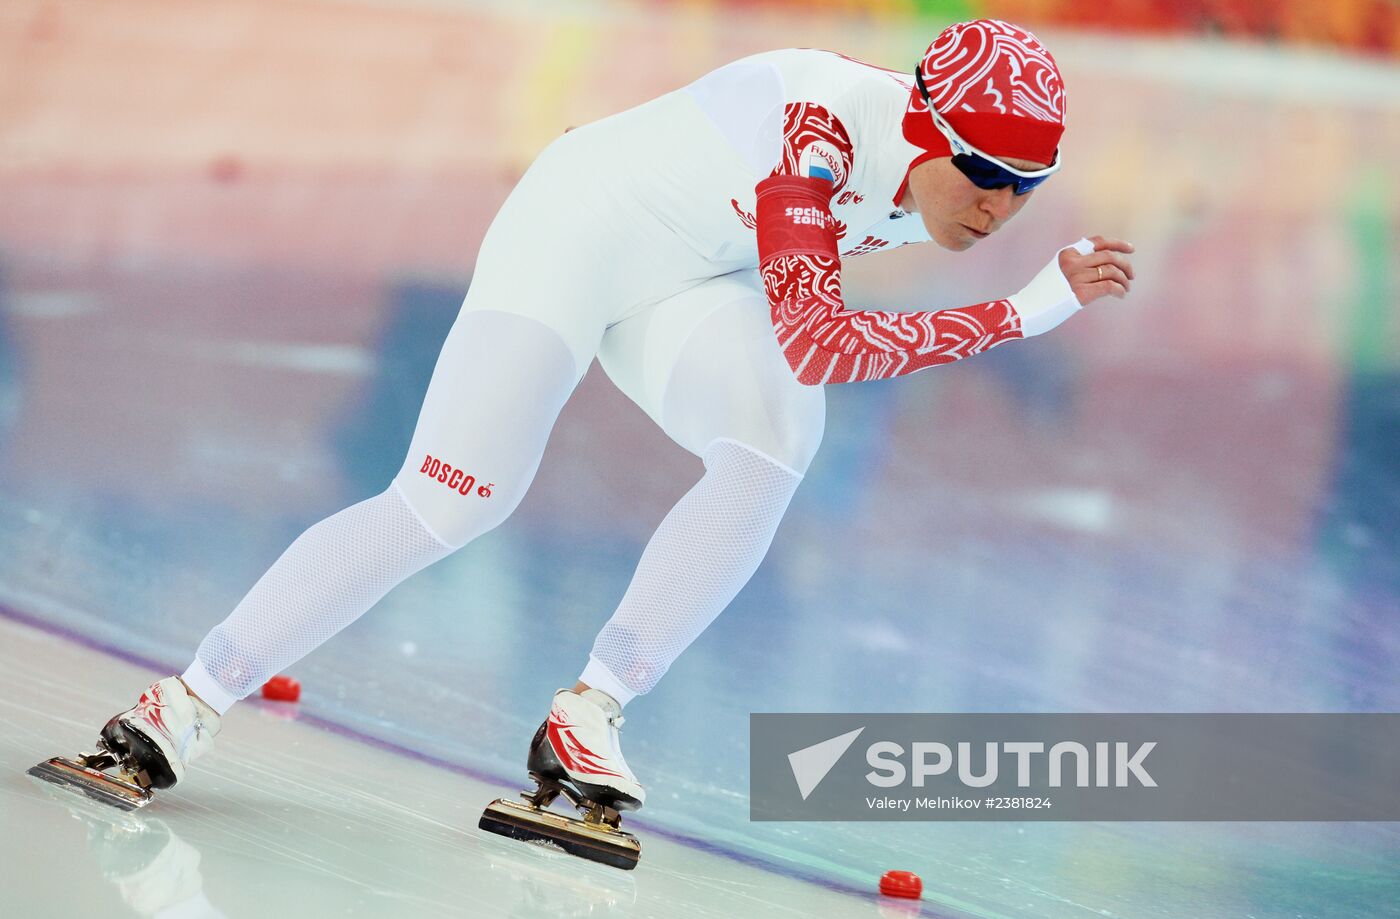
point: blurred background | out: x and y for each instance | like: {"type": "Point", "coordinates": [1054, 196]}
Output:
{"type": "Point", "coordinates": [233, 235]}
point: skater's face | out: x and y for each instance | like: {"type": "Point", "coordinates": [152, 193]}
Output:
{"type": "Point", "coordinates": [955, 212]}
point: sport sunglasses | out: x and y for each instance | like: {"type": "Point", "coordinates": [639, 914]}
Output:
{"type": "Point", "coordinates": [983, 169]}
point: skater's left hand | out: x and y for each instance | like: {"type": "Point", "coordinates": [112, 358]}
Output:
{"type": "Point", "coordinates": [1106, 270]}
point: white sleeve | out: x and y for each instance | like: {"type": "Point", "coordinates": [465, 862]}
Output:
{"type": "Point", "coordinates": [744, 101]}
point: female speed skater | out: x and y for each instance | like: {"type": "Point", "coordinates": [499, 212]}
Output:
{"type": "Point", "coordinates": [692, 244]}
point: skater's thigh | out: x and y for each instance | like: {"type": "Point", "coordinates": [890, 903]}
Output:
{"type": "Point", "coordinates": [528, 329]}
{"type": "Point", "coordinates": [496, 391]}
{"type": "Point", "coordinates": [558, 252]}
{"type": "Point", "coordinates": [555, 280]}
{"type": "Point", "coordinates": [705, 365]}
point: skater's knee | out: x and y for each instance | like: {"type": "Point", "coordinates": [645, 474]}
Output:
{"type": "Point", "coordinates": [791, 437]}
{"type": "Point", "coordinates": [493, 398]}
{"type": "Point", "coordinates": [455, 505]}
{"type": "Point", "coordinates": [785, 434]}
{"type": "Point", "coordinates": [762, 478]}
{"type": "Point", "coordinates": [759, 405]}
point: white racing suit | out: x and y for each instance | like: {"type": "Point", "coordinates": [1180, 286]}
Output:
{"type": "Point", "coordinates": [633, 240]}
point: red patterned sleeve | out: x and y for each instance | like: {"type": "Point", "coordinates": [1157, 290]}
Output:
{"type": "Point", "coordinates": [815, 142]}
{"type": "Point", "coordinates": [827, 343]}
{"type": "Point", "coordinates": [801, 266]}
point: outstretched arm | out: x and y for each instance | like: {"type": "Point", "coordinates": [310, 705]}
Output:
{"type": "Point", "coordinates": [826, 343]}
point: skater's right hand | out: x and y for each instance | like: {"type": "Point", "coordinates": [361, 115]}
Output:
{"type": "Point", "coordinates": [1106, 270]}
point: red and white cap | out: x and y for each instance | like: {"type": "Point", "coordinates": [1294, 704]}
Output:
{"type": "Point", "coordinates": [996, 85]}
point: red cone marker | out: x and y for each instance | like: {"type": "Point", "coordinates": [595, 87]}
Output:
{"type": "Point", "coordinates": [901, 884]}
{"type": "Point", "coordinates": [282, 689]}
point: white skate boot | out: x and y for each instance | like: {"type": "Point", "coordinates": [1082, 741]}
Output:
{"type": "Point", "coordinates": [580, 744]}
{"type": "Point", "coordinates": [576, 753]}
{"type": "Point", "coordinates": [151, 745]}
{"type": "Point", "coordinates": [164, 732]}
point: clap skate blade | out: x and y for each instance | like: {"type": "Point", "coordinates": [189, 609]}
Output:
{"type": "Point", "coordinates": [597, 837]}
{"type": "Point", "coordinates": [127, 790]}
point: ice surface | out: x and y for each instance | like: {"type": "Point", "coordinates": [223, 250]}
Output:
{"type": "Point", "coordinates": [287, 817]}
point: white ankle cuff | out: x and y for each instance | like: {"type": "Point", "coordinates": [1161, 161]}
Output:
{"type": "Point", "coordinates": [202, 684]}
{"type": "Point", "coordinates": [598, 676]}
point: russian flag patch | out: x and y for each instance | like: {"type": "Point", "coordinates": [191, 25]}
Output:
{"type": "Point", "coordinates": [820, 160]}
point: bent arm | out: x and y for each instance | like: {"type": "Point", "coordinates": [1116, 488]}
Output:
{"type": "Point", "coordinates": [826, 343]}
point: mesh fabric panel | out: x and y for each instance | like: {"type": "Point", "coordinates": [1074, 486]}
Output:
{"type": "Point", "coordinates": [703, 552]}
{"type": "Point", "coordinates": [326, 579]}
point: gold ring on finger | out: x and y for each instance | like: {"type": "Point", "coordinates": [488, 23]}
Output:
{"type": "Point", "coordinates": [1100, 272]}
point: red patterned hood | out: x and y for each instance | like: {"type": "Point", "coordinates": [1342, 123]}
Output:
{"type": "Point", "coordinates": [999, 88]}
